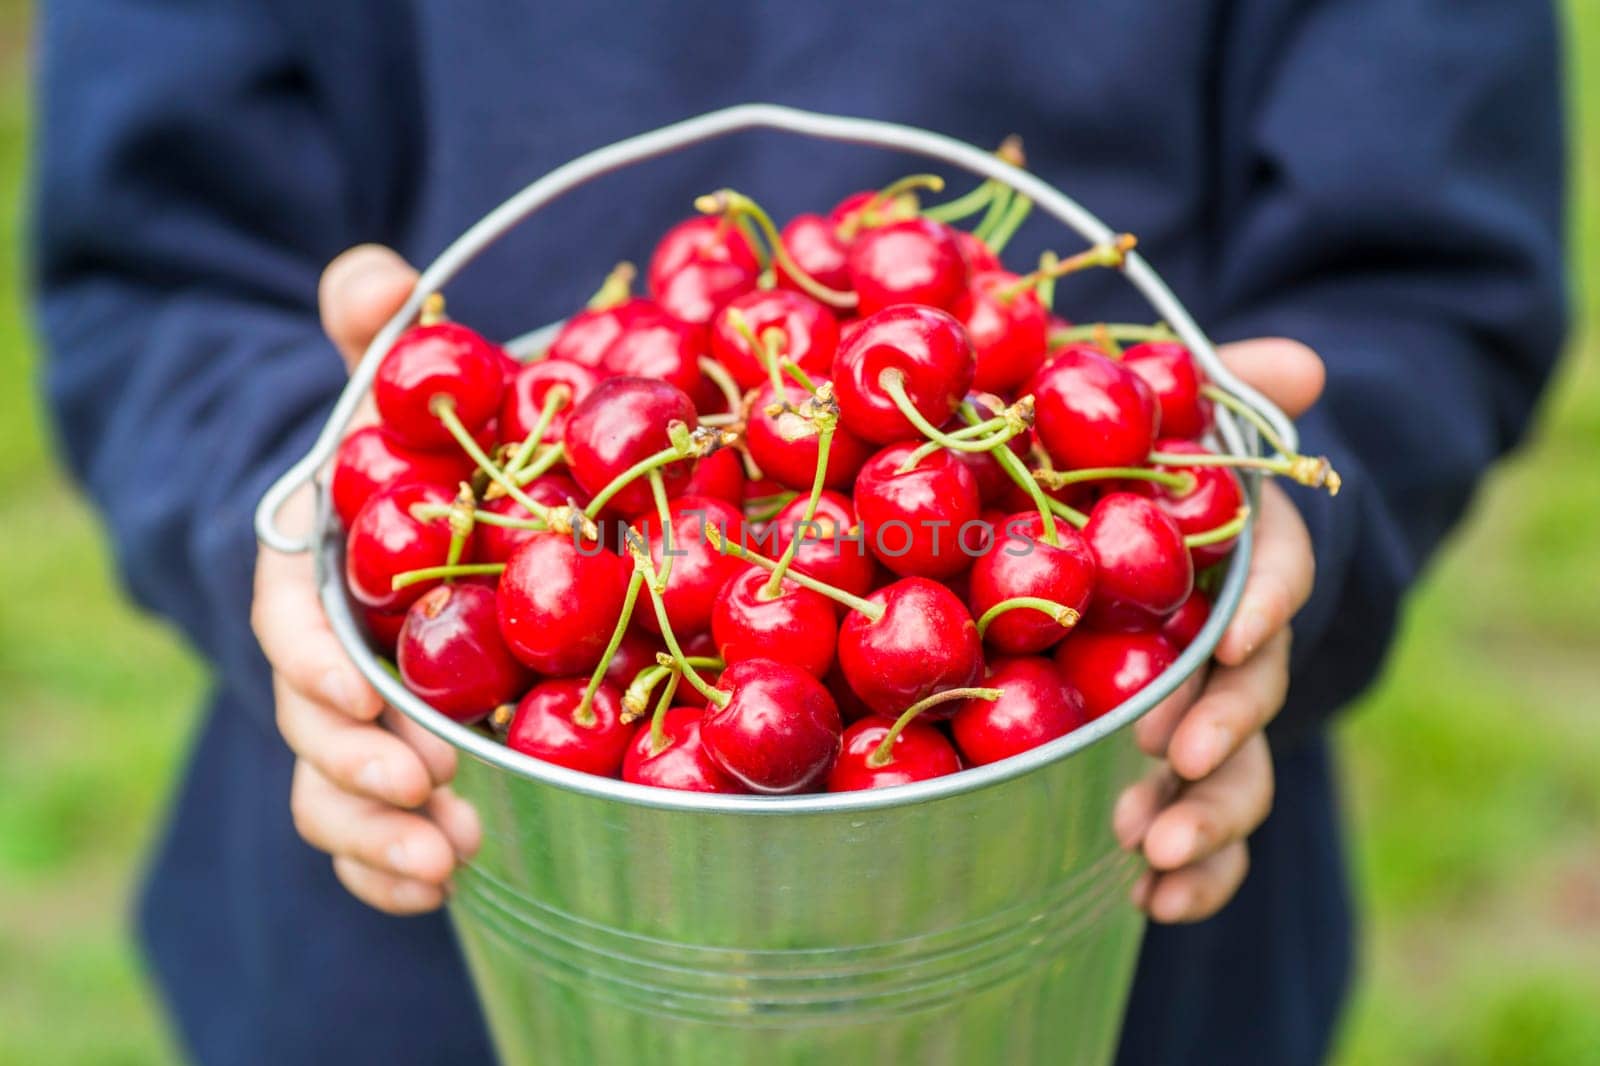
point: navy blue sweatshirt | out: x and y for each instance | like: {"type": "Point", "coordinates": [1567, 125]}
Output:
{"type": "Point", "coordinates": [1378, 178]}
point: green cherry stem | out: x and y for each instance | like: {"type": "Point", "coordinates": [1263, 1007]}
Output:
{"type": "Point", "coordinates": [444, 409]}
{"type": "Point", "coordinates": [1048, 262]}
{"type": "Point", "coordinates": [551, 456]}
{"type": "Point", "coordinates": [444, 573]}
{"type": "Point", "coordinates": [1249, 414]}
{"type": "Point", "coordinates": [964, 206]}
{"type": "Point", "coordinates": [1227, 531]}
{"type": "Point", "coordinates": [1313, 471]}
{"type": "Point", "coordinates": [893, 382]}
{"type": "Point", "coordinates": [616, 289]}
{"type": "Point", "coordinates": [997, 212]}
{"type": "Point", "coordinates": [641, 562]}
{"type": "Point", "coordinates": [736, 205]}
{"type": "Point", "coordinates": [554, 400]}
{"type": "Point", "coordinates": [1016, 214]}
{"type": "Point", "coordinates": [1181, 483]}
{"type": "Point", "coordinates": [686, 444]}
{"type": "Point", "coordinates": [826, 421]}
{"type": "Point", "coordinates": [738, 551]}
{"type": "Point", "coordinates": [1127, 332]}
{"type": "Point", "coordinates": [798, 375]}
{"type": "Point", "coordinates": [1112, 254]}
{"type": "Point", "coordinates": [884, 752]}
{"type": "Point", "coordinates": [584, 715]}
{"type": "Point", "coordinates": [719, 376]}
{"type": "Point", "coordinates": [868, 216]}
{"type": "Point", "coordinates": [658, 493]}
{"type": "Point", "coordinates": [460, 520]}
{"type": "Point", "coordinates": [766, 508]}
{"type": "Point", "coordinates": [1060, 613]}
{"type": "Point", "coordinates": [658, 737]}
{"type": "Point", "coordinates": [765, 348]}
{"type": "Point", "coordinates": [637, 696]}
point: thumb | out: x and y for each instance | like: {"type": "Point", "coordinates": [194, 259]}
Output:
{"type": "Point", "coordinates": [359, 292]}
{"type": "Point", "coordinates": [1285, 371]}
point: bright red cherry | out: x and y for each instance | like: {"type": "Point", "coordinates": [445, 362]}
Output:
{"type": "Point", "coordinates": [913, 517]}
{"type": "Point", "coordinates": [656, 345]}
{"type": "Point", "coordinates": [923, 642]}
{"type": "Point", "coordinates": [551, 724]}
{"type": "Point", "coordinates": [1142, 567]}
{"type": "Point", "coordinates": [1022, 563]}
{"type": "Point", "coordinates": [529, 391]}
{"type": "Point", "coordinates": [1214, 501]}
{"type": "Point", "coordinates": [444, 361]}
{"type": "Point", "coordinates": [1036, 706]}
{"type": "Point", "coordinates": [796, 626]}
{"type": "Point", "coordinates": [698, 570]}
{"type": "Point", "coordinates": [680, 762]}
{"type": "Point", "coordinates": [1092, 411]}
{"type": "Point", "coordinates": [1107, 668]}
{"type": "Point", "coordinates": [699, 265]}
{"type": "Point", "coordinates": [786, 448]}
{"type": "Point", "coordinates": [386, 539]}
{"type": "Point", "coordinates": [497, 544]}
{"type": "Point", "coordinates": [559, 602]}
{"type": "Point", "coordinates": [719, 475]}
{"type": "Point", "coordinates": [810, 334]}
{"type": "Point", "coordinates": [1184, 624]}
{"type": "Point", "coordinates": [637, 652]}
{"type": "Point", "coordinates": [919, 752]}
{"type": "Point", "coordinates": [1172, 374]}
{"type": "Point", "coordinates": [622, 421]}
{"type": "Point", "coordinates": [586, 335]}
{"type": "Point", "coordinates": [1008, 330]}
{"type": "Point", "coordinates": [833, 547]}
{"type": "Point", "coordinates": [979, 256]}
{"type": "Point", "coordinates": [777, 732]}
{"type": "Point", "coordinates": [925, 350]}
{"type": "Point", "coordinates": [914, 261]}
{"type": "Point", "coordinates": [372, 458]}
{"type": "Point", "coordinates": [813, 243]}
{"type": "Point", "coordinates": [450, 653]}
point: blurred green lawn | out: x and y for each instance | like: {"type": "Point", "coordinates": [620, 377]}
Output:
{"type": "Point", "coordinates": [1473, 772]}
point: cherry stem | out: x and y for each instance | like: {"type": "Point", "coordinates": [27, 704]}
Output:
{"type": "Point", "coordinates": [658, 737]}
{"type": "Point", "coordinates": [637, 696]}
{"type": "Point", "coordinates": [1249, 414]}
{"type": "Point", "coordinates": [1180, 482]}
{"type": "Point", "coordinates": [722, 380]}
{"type": "Point", "coordinates": [424, 512]}
{"type": "Point", "coordinates": [459, 516]}
{"type": "Point", "coordinates": [738, 551]}
{"type": "Point", "coordinates": [766, 508]}
{"type": "Point", "coordinates": [867, 217]}
{"type": "Point", "coordinates": [737, 205]}
{"type": "Point", "coordinates": [445, 410]}
{"type": "Point", "coordinates": [658, 493]}
{"type": "Point", "coordinates": [1016, 214]}
{"type": "Point", "coordinates": [554, 400]}
{"type": "Point", "coordinates": [644, 466]}
{"type": "Point", "coordinates": [1113, 254]}
{"type": "Point", "coordinates": [432, 311]}
{"type": "Point", "coordinates": [1118, 331]}
{"type": "Point", "coordinates": [1060, 613]}
{"type": "Point", "coordinates": [1017, 471]}
{"type": "Point", "coordinates": [1313, 471]}
{"type": "Point", "coordinates": [584, 715]}
{"type": "Point", "coordinates": [1048, 261]}
{"type": "Point", "coordinates": [551, 456]}
{"type": "Point", "coordinates": [616, 289]}
{"type": "Point", "coordinates": [641, 562]}
{"type": "Point", "coordinates": [997, 211]}
{"type": "Point", "coordinates": [883, 754]}
{"type": "Point", "coordinates": [799, 376]}
{"type": "Point", "coordinates": [965, 206]}
{"type": "Point", "coordinates": [825, 422]}
{"type": "Point", "coordinates": [444, 573]}
{"type": "Point", "coordinates": [893, 383]}
{"type": "Point", "coordinates": [1227, 531]}
{"type": "Point", "coordinates": [764, 348]}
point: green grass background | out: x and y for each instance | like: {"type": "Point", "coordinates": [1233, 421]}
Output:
{"type": "Point", "coordinates": [1472, 772]}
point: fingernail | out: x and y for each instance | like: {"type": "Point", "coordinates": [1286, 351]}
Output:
{"type": "Point", "coordinates": [336, 689]}
{"type": "Point", "coordinates": [373, 778]}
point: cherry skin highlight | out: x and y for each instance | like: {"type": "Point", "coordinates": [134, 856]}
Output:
{"type": "Point", "coordinates": [623, 421]}
{"type": "Point", "coordinates": [1008, 331]}
{"type": "Point", "coordinates": [797, 626]}
{"type": "Point", "coordinates": [1215, 500]}
{"type": "Point", "coordinates": [813, 243]}
{"type": "Point", "coordinates": [1036, 706]}
{"type": "Point", "coordinates": [913, 261]}
{"type": "Point", "coordinates": [699, 265]}
{"type": "Point", "coordinates": [658, 346]}
{"type": "Point", "coordinates": [1092, 411]}
{"type": "Point", "coordinates": [386, 540]}
{"type": "Point", "coordinates": [786, 448]}
{"type": "Point", "coordinates": [450, 653]}
{"type": "Point", "coordinates": [442, 362]}
{"type": "Point", "coordinates": [586, 335]}
{"type": "Point", "coordinates": [1143, 571]}
{"type": "Point", "coordinates": [559, 603]}
{"type": "Point", "coordinates": [547, 726]}
{"type": "Point", "coordinates": [925, 642]}
{"type": "Point", "coordinates": [930, 351]}
{"type": "Point", "coordinates": [1172, 374]}
{"type": "Point", "coordinates": [913, 517]}
{"type": "Point", "coordinates": [528, 390]}
{"type": "Point", "coordinates": [810, 334]}
{"type": "Point", "coordinates": [779, 732]}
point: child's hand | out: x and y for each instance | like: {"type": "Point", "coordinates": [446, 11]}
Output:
{"type": "Point", "coordinates": [1190, 816]}
{"type": "Point", "coordinates": [369, 785]}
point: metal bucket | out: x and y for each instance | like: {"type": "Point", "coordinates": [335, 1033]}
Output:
{"type": "Point", "coordinates": [978, 918]}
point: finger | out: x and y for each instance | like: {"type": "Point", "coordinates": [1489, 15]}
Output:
{"type": "Point", "coordinates": [1237, 703]}
{"type": "Point", "coordinates": [393, 895]}
{"type": "Point", "coordinates": [379, 836]}
{"type": "Point", "coordinates": [437, 757]}
{"type": "Point", "coordinates": [1284, 371]}
{"type": "Point", "coordinates": [360, 291]}
{"type": "Point", "coordinates": [359, 758]}
{"type": "Point", "coordinates": [458, 820]}
{"type": "Point", "coordinates": [1199, 891]}
{"type": "Point", "coordinates": [1209, 815]}
{"type": "Point", "coordinates": [1139, 804]}
{"type": "Point", "coordinates": [1154, 730]}
{"type": "Point", "coordinates": [294, 634]}
{"type": "Point", "coordinates": [1282, 572]}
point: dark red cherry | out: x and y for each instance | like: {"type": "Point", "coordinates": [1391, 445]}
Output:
{"type": "Point", "coordinates": [699, 265]}
{"type": "Point", "coordinates": [698, 570]}
{"type": "Point", "coordinates": [914, 261]}
{"type": "Point", "coordinates": [1107, 668]}
{"type": "Point", "coordinates": [497, 544]}
{"type": "Point", "coordinates": [928, 349]}
{"type": "Point", "coordinates": [994, 484]}
{"type": "Point", "coordinates": [548, 725]}
{"type": "Point", "coordinates": [636, 653]}
{"type": "Point", "coordinates": [586, 335]}
{"type": "Point", "coordinates": [1172, 374]}
{"type": "Point", "coordinates": [1022, 563]}
{"type": "Point", "coordinates": [979, 256]}
{"type": "Point", "coordinates": [833, 547]}
{"type": "Point", "coordinates": [450, 653]}
{"type": "Point", "coordinates": [372, 458]}
{"type": "Point", "coordinates": [1184, 624]}
{"type": "Point", "coordinates": [786, 448]}
{"type": "Point", "coordinates": [442, 361]}
{"type": "Point", "coordinates": [919, 753]}
{"type": "Point", "coordinates": [924, 642]}
{"type": "Point", "coordinates": [1092, 411]}
{"type": "Point", "coordinates": [658, 346]}
{"type": "Point", "coordinates": [810, 334]}
{"type": "Point", "coordinates": [1008, 331]}
{"type": "Point", "coordinates": [779, 732]}
{"type": "Point", "coordinates": [795, 626]}
{"type": "Point", "coordinates": [386, 539]}
{"type": "Point", "coordinates": [1214, 501]}
{"type": "Point", "coordinates": [813, 243]}
{"type": "Point", "coordinates": [681, 762]}
{"type": "Point", "coordinates": [559, 602]}
{"type": "Point", "coordinates": [530, 389]}
{"type": "Point", "coordinates": [913, 517]}
{"type": "Point", "coordinates": [1143, 571]}
{"type": "Point", "coordinates": [1036, 706]}
{"type": "Point", "coordinates": [384, 628]}
{"type": "Point", "coordinates": [622, 421]}
{"type": "Point", "coordinates": [720, 476]}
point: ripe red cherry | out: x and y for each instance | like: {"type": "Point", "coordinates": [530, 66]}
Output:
{"type": "Point", "coordinates": [924, 642]}
{"type": "Point", "coordinates": [914, 261]}
{"type": "Point", "coordinates": [1172, 374]}
{"type": "Point", "coordinates": [1036, 706]}
{"type": "Point", "coordinates": [637, 652]}
{"type": "Point", "coordinates": [548, 726]}
{"type": "Point", "coordinates": [796, 626]}
{"type": "Point", "coordinates": [450, 653]}
{"type": "Point", "coordinates": [682, 762]}
{"type": "Point", "coordinates": [586, 335]}
{"type": "Point", "coordinates": [384, 628]}
{"type": "Point", "coordinates": [1107, 668]}
{"type": "Point", "coordinates": [699, 265]}
{"type": "Point", "coordinates": [810, 332]}
{"type": "Point", "coordinates": [1214, 501]}
{"type": "Point", "coordinates": [779, 730]}
{"type": "Point", "coordinates": [919, 753]}
{"type": "Point", "coordinates": [443, 361]}
{"type": "Point", "coordinates": [1092, 411]}
{"type": "Point", "coordinates": [497, 544]}
{"type": "Point", "coordinates": [698, 570]}
{"type": "Point", "coordinates": [559, 603]}
{"type": "Point", "coordinates": [813, 243]}
{"type": "Point", "coordinates": [1008, 333]}
{"type": "Point", "coordinates": [913, 518]}
{"type": "Point", "coordinates": [979, 256]}
{"type": "Point", "coordinates": [386, 540]}
{"type": "Point", "coordinates": [528, 391]}
{"type": "Point", "coordinates": [372, 458]}
{"type": "Point", "coordinates": [1184, 624]}
{"type": "Point", "coordinates": [833, 548]}
{"type": "Point", "coordinates": [621, 422]}
{"type": "Point", "coordinates": [1022, 563]}
{"type": "Point", "coordinates": [786, 449]}
{"type": "Point", "coordinates": [930, 351]}
{"type": "Point", "coordinates": [656, 345]}
{"type": "Point", "coordinates": [720, 476]}
{"type": "Point", "coordinates": [1142, 567]}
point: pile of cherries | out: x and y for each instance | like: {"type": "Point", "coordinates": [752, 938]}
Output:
{"type": "Point", "coordinates": [840, 506]}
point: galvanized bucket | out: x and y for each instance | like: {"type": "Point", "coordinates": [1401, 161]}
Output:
{"type": "Point", "coordinates": [979, 918]}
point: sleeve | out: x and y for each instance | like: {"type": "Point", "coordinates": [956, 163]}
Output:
{"type": "Point", "coordinates": [1393, 198]}
{"type": "Point", "coordinates": [186, 198]}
